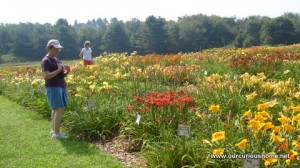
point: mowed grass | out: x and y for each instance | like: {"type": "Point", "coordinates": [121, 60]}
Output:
{"type": "Point", "coordinates": [35, 64]}
{"type": "Point", "coordinates": [25, 142]}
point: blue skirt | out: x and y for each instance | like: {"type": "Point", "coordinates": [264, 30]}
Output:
{"type": "Point", "coordinates": [57, 97]}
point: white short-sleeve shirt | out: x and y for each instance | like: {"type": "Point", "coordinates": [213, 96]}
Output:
{"type": "Point", "coordinates": [87, 53]}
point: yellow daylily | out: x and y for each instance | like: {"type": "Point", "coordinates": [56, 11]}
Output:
{"type": "Point", "coordinates": [214, 108]}
{"type": "Point", "coordinates": [272, 103]}
{"type": "Point", "coordinates": [262, 106]}
{"type": "Point", "coordinates": [295, 108]}
{"type": "Point", "coordinates": [218, 136]}
{"type": "Point", "coordinates": [254, 124]}
{"type": "Point", "coordinates": [79, 89]}
{"type": "Point", "coordinates": [267, 126]}
{"type": "Point", "coordinates": [247, 113]}
{"type": "Point", "coordinates": [260, 117]}
{"type": "Point", "coordinates": [269, 161]}
{"type": "Point", "coordinates": [297, 118]}
{"type": "Point", "coordinates": [276, 130]}
{"type": "Point", "coordinates": [287, 127]}
{"type": "Point", "coordinates": [92, 87]}
{"type": "Point", "coordinates": [296, 144]}
{"type": "Point", "coordinates": [242, 144]}
{"type": "Point", "coordinates": [297, 95]}
{"type": "Point", "coordinates": [218, 151]}
{"type": "Point", "coordinates": [105, 83]}
{"type": "Point", "coordinates": [251, 96]}
{"type": "Point", "coordinates": [264, 113]}
{"type": "Point", "coordinates": [276, 138]}
{"type": "Point", "coordinates": [284, 120]}
{"type": "Point", "coordinates": [292, 155]}
{"type": "Point", "coordinates": [198, 114]}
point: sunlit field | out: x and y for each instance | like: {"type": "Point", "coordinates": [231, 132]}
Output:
{"type": "Point", "coordinates": [34, 64]}
{"type": "Point", "coordinates": [181, 110]}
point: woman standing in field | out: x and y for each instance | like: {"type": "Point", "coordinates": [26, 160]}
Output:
{"type": "Point", "coordinates": [54, 73]}
{"type": "Point", "coordinates": [86, 54]}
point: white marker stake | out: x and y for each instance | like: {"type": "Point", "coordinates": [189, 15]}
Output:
{"type": "Point", "coordinates": [138, 119]}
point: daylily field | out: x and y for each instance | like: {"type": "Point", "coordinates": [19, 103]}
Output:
{"type": "Point", "coordinates": [181, 110]}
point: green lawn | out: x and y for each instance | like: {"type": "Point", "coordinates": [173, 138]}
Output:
{"type": "Point", "coordinates": [25, 142]}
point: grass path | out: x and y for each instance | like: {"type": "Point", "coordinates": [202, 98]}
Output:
{"type": "Point", "coordinates": [25, 142]}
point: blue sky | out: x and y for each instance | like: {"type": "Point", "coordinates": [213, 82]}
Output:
{"type": "Point", "coordinates": [15, 11]}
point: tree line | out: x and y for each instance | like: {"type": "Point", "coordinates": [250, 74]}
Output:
{"type": "Point", "coordinates": [27, 41]}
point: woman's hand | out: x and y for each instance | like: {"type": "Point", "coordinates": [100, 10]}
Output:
{"type": "Point", "coordinates": [66, 69]}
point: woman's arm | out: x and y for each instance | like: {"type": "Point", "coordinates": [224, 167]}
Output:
{"type": "Point", "coordinates": [48, 75]}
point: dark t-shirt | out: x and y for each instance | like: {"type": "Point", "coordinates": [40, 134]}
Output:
{"type": "Point", "coordinates": [50, 64]}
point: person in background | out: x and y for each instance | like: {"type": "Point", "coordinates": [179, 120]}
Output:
{"type": "Point", "coordinates": [54, 73]}
{"type": "Point", "coordinates": [86, 54]}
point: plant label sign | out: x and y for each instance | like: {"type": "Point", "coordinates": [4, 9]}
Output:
{"type": "Point", "coordinates": [250, 163]}
{"type": "Point", "coordinates": [91, 103]}
{"type": "Point", "coordinates": [138, 119]}
{"type": "Point", "coordinates": [184, 130]}
{"type": "Point", "coordinates": [103, 137]}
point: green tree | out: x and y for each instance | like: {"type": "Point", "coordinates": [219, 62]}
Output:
{"type": "Point", "coordinates": [155, 35]}
{"type": "Point", "coordinates": [283, 31]}
{"type": "Point", "coordinates": [192, 31]}
{"type": "Point", "coordinates": [218, 32]}
{"type": "Point", "coordinates": [239, 39]}
{"type": "Point", "coordinates": [295, 19]}
{"type": "Point", "coordinates": [66, 34]}
{"type": "Point", "coordinates": [133, 29]}
{"type": "Point", "coordinates": [252, 35]}
{"type": "Point", "coordinates": [172, 29]}
{"type": "Point", "coordinates": [40, 36]}
{"type": "Point", "coordinates": [22, 42]}
{"type": "Point", "coordinates": [266, 33]}
{"type": "Point", "coordinates": [115, 38]}
{"type": "Point", "coordinates": [5, 41]}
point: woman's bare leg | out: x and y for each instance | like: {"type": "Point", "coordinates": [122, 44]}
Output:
{"type": "Point", "coordinates": [56, 121]}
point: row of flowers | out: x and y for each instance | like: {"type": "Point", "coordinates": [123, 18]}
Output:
{"type": "Point", "coordinates": [227, 112]}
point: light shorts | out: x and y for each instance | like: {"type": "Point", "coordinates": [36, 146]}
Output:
{"type": "Point", "coordinates": [57, 97]}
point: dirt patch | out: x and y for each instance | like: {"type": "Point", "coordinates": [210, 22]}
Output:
{"type": "Point", "coordinates": [119, 148]}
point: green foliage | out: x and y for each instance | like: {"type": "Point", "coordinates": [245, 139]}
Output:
{"type": "Point", "coordinates": [211, 66]}
{"type": "Point", "coordinates": [288, 70]}
{"type": "Point", "coordinates": [94, 122]}
{"type": "Point", "coordinates": [176, 152]}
